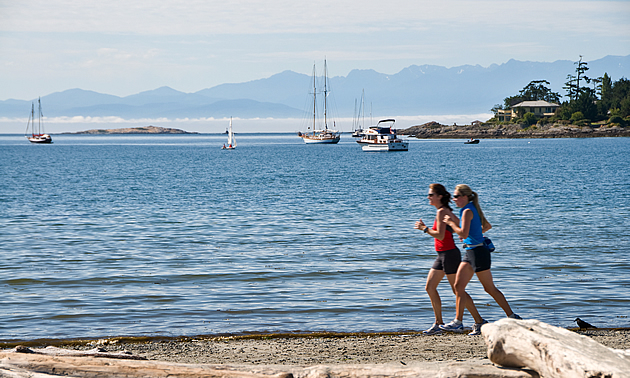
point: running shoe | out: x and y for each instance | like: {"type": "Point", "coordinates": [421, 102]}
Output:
{"type": "Point", "coordinates": [515, 316]}
{"type": "Point", "coordinates": [453, 327]}
{"type": "Point", "coordinates": [434, 330]}
{"type": "Point", "coordinates": [476, 328]}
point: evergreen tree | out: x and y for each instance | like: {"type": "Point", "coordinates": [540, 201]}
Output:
{"type": "Point", "coordinates": [572, 86]}
{"type": "Point", "coordinates": [537, 91]}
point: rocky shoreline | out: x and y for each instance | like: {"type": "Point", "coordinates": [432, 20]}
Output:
{"type": "Point", "coordinates": [434, 130]}
{"type": "Point", "coordinates": [135, 130]}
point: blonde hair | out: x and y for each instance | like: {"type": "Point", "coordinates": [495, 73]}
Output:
{"type": "Point", "coordinates": [465, 190]}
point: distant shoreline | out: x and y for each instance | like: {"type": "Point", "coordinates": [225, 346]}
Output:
{"type": "Point", "coordinates": [133, 130]}
{"type": "Point", "coordinates": [434, 130]}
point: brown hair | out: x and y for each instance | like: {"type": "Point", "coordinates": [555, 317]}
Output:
{"type": "Point", "coordinates": [472, 196]}
{"type": "Point", "coordinates": [440, 190]}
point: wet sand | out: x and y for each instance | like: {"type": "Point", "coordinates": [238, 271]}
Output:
{"type": "Point", "coordinates": [323, 348]}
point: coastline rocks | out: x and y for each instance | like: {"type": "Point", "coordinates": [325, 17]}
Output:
{"type": "Point", "coordinates": [552, 351]}
{"type": "Point", "coordinates": [434, 130]}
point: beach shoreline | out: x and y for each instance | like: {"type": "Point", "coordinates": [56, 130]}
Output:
{"type": "Point", "coordinates": [316, 348]}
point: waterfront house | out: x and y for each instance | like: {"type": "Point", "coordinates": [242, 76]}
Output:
{"type": "Point", "coordinates": [539, 108]}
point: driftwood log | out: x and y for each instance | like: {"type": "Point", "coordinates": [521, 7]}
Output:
{"type": "Point", "coordinates": [552, 351]}
{"type": "Point", "coordinates": [24, 362]}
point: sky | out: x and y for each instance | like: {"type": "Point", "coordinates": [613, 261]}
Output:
{"type": "Point", "coordinates": [123, 47]}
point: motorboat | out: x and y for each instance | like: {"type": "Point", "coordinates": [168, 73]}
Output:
{"type": "Point", "coordinates": [382, 138]}
{"type": "Point", "coordinates": [472, 141]}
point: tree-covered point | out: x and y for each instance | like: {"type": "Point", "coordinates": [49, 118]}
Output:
{"type": "Point", "coordinates": [588, 99]}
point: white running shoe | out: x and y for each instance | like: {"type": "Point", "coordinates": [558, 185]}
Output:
{"type": "Point", "coordinates": [453, 327]}
{"type": "Point", "coordinates": [476, 328]}
{"type": "Point", "coordinates": [434, 330]}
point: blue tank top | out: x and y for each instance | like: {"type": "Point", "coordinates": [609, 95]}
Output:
{"type": "Point", "coordinates": [475, 235]}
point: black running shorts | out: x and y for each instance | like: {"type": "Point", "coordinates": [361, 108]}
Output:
{"type": "Point", "coordinates": [478, 258]}
{"type": "Point", "coordinates": [448, 261]}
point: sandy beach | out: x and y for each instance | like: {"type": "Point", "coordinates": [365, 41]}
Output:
{"type": "Point", "coordinates": [318, 349]}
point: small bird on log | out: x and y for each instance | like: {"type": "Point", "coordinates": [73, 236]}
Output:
{"type": "Point", "coordinates": [582, 324]}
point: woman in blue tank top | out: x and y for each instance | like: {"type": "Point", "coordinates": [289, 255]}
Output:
{"type": "Point", "coordinates": [477, 260]}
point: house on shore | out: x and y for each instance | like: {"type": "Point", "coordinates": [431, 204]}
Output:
{"type": "Point", "coordinates": [539, 108]}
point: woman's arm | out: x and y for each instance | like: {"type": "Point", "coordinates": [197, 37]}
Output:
{"type": "Point", "coordinates": [428, 230]}
{"type": "Point", "coordinates": [486, 226]}
{"type": "Point", "coordinates": [467, 217]}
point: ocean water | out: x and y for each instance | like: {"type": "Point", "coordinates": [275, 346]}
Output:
{"type": "Point", "coordinates": [170, 235]}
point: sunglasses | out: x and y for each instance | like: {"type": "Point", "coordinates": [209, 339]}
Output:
{"type": "Point", "coordinates": [457, 195]}
{"type": "Point", "coordinates": [430, 194]}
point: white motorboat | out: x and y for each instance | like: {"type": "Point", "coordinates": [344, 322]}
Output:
{"type": "Point", "coordinates": [382, 138]}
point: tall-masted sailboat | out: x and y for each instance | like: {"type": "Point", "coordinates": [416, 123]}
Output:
{"type": "Point", "coordinates": [231, 142]}
{"type": "Point", "coordinates": [36, 131]}
{"type": "Point", "coordinates": [324, 135]}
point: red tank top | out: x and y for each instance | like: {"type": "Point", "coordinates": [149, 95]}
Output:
{"type": "Point", "coordinates": [445, 244]}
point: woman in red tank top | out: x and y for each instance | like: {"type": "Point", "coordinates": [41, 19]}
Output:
{"type": "Point", "coordinates": [448, 258]}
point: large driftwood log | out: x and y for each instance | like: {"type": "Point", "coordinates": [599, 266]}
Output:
{"type": "Point", "coordinates": [36, 364]}
{"type": "Point", "coordinates": [552, 351]}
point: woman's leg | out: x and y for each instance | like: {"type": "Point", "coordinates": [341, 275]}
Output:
{"type": "Point", "coordinates": [433, 280]}
{"type": "Point", "coordinates": [470, 305]}
{"type": "Point", "coordinates": [464, 274]}
{"type": "Point", "coordinates": [485, 277]}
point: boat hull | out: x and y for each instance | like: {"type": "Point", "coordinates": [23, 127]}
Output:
{"type": "Point", "coordinates": [316, 140]}
{"type": "Point", "coordinates": [385, 147]}
{"type": "Point", "coordinates": [40, 139]}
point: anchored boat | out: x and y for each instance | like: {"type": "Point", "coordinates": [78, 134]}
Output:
{"type": "Point", "coordinates": [36, 130]}
{"type": "Point", "coordinates": [382, 138]}
{"type": "Point", "coordinates": [325, 135]}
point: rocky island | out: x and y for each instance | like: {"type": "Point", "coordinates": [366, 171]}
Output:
{"type": "Point", "coordinates": [479, 130]}
{"type": "Point", "coordinates": [135, 130]}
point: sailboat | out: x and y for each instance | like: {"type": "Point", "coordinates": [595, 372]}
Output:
{"type": "Point", "coordinates": [324, 135]}
{"type": "Point", "coordinates": [359, 120]}
{"type": "Point", "coordinates": [36, 130]}
{"type": "Point", "coordinates": [231, 142]}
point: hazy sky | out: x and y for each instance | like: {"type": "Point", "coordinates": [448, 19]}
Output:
{"type": "Point", "coordinates": [125, 47]}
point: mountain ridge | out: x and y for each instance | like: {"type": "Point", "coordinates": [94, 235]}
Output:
{"type": "Point", "coordinates": [414, 90]}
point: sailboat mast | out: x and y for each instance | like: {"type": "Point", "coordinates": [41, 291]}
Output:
{"type": "Point", "coordinates": [363, 108]}
{"type": "Point", "coordinates": [325, 95]}
{"type": "Point", "coordinates": [31, 121]}
{"type": "Point", "coordinates": [314, 98]}
{"type": "Point", "coordinates": [39, 116]}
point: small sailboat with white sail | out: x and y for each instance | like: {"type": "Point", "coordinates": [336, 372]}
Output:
{"type": "Point", "coordinates": [231, 142]}
{"type": "Point", "coordinates": [322, 135]}
{"type": "Point", "coordinates": [35, 128]}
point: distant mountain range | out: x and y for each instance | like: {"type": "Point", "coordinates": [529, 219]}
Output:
{"type": "Point", "coordinates": [415, 90]}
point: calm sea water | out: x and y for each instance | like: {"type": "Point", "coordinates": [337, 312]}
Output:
{"type": "Point", "coordinates": [169, 235]}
